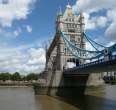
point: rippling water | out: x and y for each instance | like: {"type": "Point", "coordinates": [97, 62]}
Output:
{"type": "Point", "coordinates": [24, 99]}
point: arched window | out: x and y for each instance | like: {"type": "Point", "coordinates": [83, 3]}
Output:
{"type": "Point", "coordinates": [72, 38]}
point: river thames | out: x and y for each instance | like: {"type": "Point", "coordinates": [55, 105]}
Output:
{"type": "Point", "coordinates": [23, 98]}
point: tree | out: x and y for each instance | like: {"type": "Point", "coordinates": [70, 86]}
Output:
{"type": "Point", "coordinates": [23, 78]}
{"type": "Point", "coordinates": [5, 76]}
{"type": "Point", "coordinates": [16, 76]}
{"type": "Point", "coordinates": [31, 77]}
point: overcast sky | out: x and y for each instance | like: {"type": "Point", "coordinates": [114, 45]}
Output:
{"type": "Point", "coordinates": [26, 24]}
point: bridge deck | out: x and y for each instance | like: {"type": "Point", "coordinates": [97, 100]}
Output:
{"type": "Point", "coordinates": [93, 67]}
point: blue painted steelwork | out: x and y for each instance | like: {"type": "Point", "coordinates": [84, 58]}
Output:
{"type": "Point", "coordinates": [82, 66]}
{"type": "Point", "coordinates": [80, 53]}
{"type": "Point", "coordinates": [93, 43]}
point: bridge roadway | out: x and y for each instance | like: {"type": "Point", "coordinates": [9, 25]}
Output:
{"type": "Point", "coordinates": [93, 67]}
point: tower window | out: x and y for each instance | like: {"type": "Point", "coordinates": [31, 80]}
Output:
{"type": "Point", "coordinates": [71, 30]}
{"type": "Point", "coordinates": [65, 50]}
{"type": "Point", "coordinates": [68, 25]}
{"type": "Point", "coordinates": [73, 25]}
{"type": "Point", "coordinates": [72, 38]}
{"type": "Point", "coordinates": [73, 20]}
{"type": "Point", "coordinates": [79, 39]}
{"type": "Point", "coordinates": [70, 19]}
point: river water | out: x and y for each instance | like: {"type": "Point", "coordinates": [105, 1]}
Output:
{"type": "Point", "coordinates": [24, 99]}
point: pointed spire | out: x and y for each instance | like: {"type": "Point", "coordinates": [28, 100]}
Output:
{"type": "Point", "coordinates": [81, 14]}
{"type": "Point", "coordinates": [68, 2]}
{"type": "Point", "coordinates": [68, 6]}
{"type": "Point", "coordinates": [60, 10]}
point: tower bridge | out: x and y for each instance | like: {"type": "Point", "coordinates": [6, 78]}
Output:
{"type": "Point", "coordinates": [69, 45]}
{"type": "Point", "coordinates": [73, 26]}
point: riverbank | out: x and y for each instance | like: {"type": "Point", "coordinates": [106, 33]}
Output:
{"type": "Point", "coordinates": [16, 85]}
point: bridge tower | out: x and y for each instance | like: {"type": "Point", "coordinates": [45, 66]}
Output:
{"type": "Point", "coordinates": [58, 54]}
{"type": "Point", "coordinates": [73, 27]}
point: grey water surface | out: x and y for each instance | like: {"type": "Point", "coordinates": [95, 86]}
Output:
{"type": "Point", "coordinates": [23, 98]}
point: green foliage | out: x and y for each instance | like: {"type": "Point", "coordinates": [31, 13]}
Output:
{"type": "Point", "coordinates": [17, 77]}
{"type": "Point", "coordinates": [31, 77]}
{"type": "Point", "coordinates": [5, 76]}
{"type": "Point", "coordinates": [23, 78]}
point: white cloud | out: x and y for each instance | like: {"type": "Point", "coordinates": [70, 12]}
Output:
{"type": "Point", "coordinates": [88, 23]}
{"type": "Point", "coordinates": [94, 22]}
{"type": "Point", "coordinates": [36, 56]}
{"type": "Point", "coordinates": [14, 10]}
{"type": "Point", "coordinates": [29, 28]}
{"type": "Point", "coordinates": [24, 59]}
{"type": "Point", "coordinates": [101, 21]}
{"type": "Point", "coordinates": [9, 33]}
{"type": "Point", "coordinates": [110, 44]}
{"type": "Point", "coordinates": [16, 33]}
{"type": "Point", "coordinates": [107, 21]}
{"type": "Point", "coordinates": [70, 65]}
{"type": "Point", "coordinates": [110, 31]}
{"type": "Point", "coordinates": [90, 6]}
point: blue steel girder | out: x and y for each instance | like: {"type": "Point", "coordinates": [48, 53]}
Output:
{"type": "Point", "coordinates": [79, 52]}
{"type": "Point", "coordinates": [86, 54]}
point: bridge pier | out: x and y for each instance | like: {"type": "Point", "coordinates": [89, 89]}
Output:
{"type": "Point", "coordinates": [65, 85]}
{"type": "Point", "coordinates": [54, 82]}
{"type": "Point", "coordinates": [95, 79]}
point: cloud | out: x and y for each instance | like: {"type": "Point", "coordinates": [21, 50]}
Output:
{"type": "Point", "coordinates": [110, 44]}
{"type": "Point", "coordinates": [36, 56]}
{"type": "Point", "coordinates": [24, 59]}
{"type": "Point", "coordinates": [110, 31]}
{"type": "Point", "coordinates": [106, 20]}
{"type": "Point", "coordinates": [88, 23]}
{"type": "Point", "coordinates": [89, 47]}
{"type": "Point", "coordinates": [94, 22]}
{"type": "Point", "coordinates": [16, 33]}
{"type": "Point", "coordinates": [91, 6]}
{"type": "Point", "coordinates": [29, 28]}
{"type": "Point", "coordinates": [9, 33]}
{"type": "Point", "coordinates": [14, 10]}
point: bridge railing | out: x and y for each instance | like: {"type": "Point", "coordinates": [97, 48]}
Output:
{"type": "Point", "coordinates": [100, 61]}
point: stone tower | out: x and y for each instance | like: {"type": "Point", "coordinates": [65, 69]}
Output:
{"type": "Point", "coordinates": [73, 27]}
{"type": "Point", "coordinates": [58, 54]}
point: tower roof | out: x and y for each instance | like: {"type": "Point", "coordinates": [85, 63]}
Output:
{"type": "Point", "coordinates": [60, 11]}
{"type": "Point", "coordinates": [69, 6]}
{"type": "Point", "coordinates": [68, 11]}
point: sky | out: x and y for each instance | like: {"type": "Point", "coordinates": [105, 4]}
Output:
{"type": "Point", "coordinates": [25, 26]}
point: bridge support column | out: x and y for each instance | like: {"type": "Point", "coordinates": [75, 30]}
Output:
{"type": "Point", "coordinates": [95, 79]}
{"type": "Point", "coordinates": [54, 83]}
